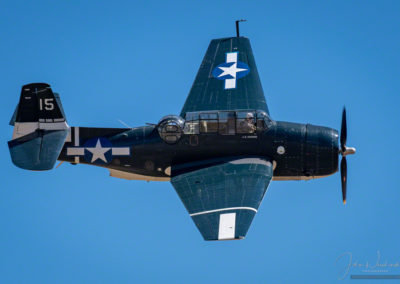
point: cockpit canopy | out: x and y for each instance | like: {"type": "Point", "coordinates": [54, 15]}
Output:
{"type": "Point", "coordinates": [227, 122]}
{"type": "Point", "coordinates": [242, 122]}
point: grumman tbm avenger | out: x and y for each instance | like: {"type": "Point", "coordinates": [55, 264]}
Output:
{"type": "Point", "coordinates": [220, 153]}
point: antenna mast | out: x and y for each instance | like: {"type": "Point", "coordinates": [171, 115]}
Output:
{"type": "Point", "coordinates": [237, 27]}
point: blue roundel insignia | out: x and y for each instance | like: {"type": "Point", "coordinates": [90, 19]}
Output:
{"type": "Point", "coordinates": [98, 150]}
{"type": "Point", "coordinates": [231, 70]}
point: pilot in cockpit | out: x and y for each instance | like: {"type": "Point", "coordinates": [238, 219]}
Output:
{"type": "Point", "coordinates": [247, 125]}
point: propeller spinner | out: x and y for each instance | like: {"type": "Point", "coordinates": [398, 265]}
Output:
{"type": "Point", "coordinates": [344, 151]}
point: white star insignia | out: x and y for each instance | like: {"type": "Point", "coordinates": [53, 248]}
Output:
{"type": "Point", "coordinates": [232, 70]}
{"type": "Point", "coordinates": [98, 152]}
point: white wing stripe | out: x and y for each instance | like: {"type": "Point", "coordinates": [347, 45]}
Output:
{"type": "Point", "coordinates": [251, 161]}
{"type": "Point", "coordinates": [223, 209]}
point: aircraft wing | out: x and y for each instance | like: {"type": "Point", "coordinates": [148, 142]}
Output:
{"type": "Point", "coordinates": [223, 196]}
{"type": "Point", "coordinates": [227, 79]}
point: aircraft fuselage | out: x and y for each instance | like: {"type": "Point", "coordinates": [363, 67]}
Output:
{"type": "Point", "coordinates": [298, 151]}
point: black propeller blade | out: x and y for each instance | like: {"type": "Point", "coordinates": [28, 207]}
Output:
{"type": "Point", "coordinates": [343, 132]}
{"type": "Point", "coordinates": [343, 176]}
{"type": "Point", "coordinates": [343, 162]}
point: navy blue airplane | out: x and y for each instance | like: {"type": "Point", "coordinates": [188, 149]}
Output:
{"type": "Point", "coordinates": [220, 153]}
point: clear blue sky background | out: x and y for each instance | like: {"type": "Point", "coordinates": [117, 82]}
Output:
{"type": "Point", "coordinates": [136, 61]}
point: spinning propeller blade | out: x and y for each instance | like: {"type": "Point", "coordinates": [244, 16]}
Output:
{"type": "Point", "coordinates": [343, 176]}
{"type": "Point", "coordinates": [344, 151]}
{"type": "Point", "coordinates": [343, 131]}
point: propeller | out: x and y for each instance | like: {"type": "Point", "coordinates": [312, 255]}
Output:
{"type": "Point", "coordinates": [343, 131]}
{"type": "Point", "coordinates": [344, 151]}
{"type": "Point", "coordinates": [343, 176]}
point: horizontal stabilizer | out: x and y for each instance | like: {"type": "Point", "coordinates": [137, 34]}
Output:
{"type": "Point", "coordinates": [38, 150]}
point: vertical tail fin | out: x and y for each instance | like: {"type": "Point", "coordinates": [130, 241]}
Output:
{"type": "Point", "coordinates": [38, 103]}
{"type": "Point", "coordinates": [38, 108]}
{"type": "Point", "coordinates": [40, 128]}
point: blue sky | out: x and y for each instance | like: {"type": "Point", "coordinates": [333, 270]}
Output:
{"type": "Point", "coordinates": [136, 61]}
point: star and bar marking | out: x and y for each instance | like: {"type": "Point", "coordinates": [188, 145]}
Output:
{"type": "Point", "coordinates": [97, 150]}
{"type": "Point", "coordinates": [231, 70]}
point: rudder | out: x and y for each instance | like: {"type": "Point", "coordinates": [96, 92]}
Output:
{"type": "Point", "coordinates": [40, 128]}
